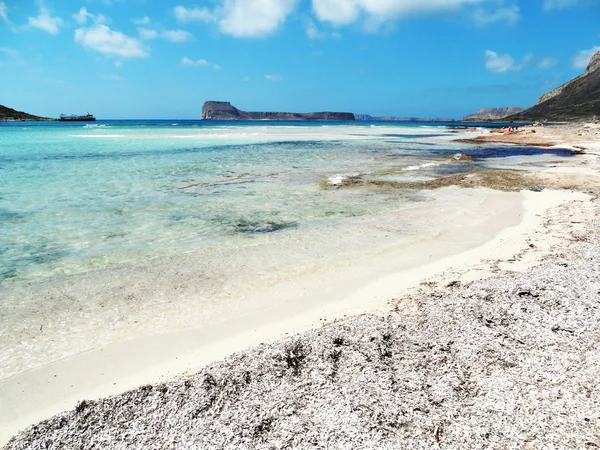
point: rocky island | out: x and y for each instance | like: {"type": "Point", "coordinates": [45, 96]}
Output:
{"type": "Point", "coordinates": [213, 110]}
{"type": "Point", "coordinates": [10, 115]}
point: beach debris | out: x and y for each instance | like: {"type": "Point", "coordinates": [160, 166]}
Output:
{"type": "Point", "coordinates": [462, 157]}
{"type": "Point", "coordinates": [497, 363]}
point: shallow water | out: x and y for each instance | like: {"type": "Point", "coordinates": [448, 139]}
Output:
{"type": "Point", "coordinates": [117, 228]}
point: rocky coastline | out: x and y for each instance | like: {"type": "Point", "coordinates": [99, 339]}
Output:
{"type": "Point", "coordinates": [213, 110]}
{"type": "Point", "coordinates": [11, 115]}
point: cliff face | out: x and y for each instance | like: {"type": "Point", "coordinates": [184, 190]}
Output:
{"type": "Point", "coordinates": [9, 114]}
{"type": "Point", "coordinates": [492, 114]}
{"type": "Point", "coordinates": [226, 111]}
{"type": "Point", "coordinates": [578, 99]}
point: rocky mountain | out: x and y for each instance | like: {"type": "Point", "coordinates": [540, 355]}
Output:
{"type": "Point", "coordinates": [9, 114]}
{"type": "Point", "coordinates": [226, 111]}
{"type": "Point", "coordinates": [491, 114]}
{"type": "Point", "coordinates": [578, 99]}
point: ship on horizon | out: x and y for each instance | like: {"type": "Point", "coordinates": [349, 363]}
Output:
{"type": "Point", "coordinates": [87, 117]}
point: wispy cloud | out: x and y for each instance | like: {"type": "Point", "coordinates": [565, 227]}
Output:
{"type": "Point", "coordinates": [82, 16]}
{"type": "Point", "coordinates": [141, 21]}
{"type": "Point", "coordinates": [3, 12]}
{"type": "Point", "coordinates": [497, 63]}
{"type": "Point", "coordinates": [45, 22]}
{"type": "Point", "coordinates": [199, 63]}
{"type": "Point", "coordinates": [9, 51]}
{"type": "Point", "coordinates": [102, 39]}
{"type": "Point", "coordinates": [507, 14]}
{"type": "Point", "coordinates": [177, 35]}
{"type": "Point", "coordinates": [547, 63]}
{"type": "Point", "coordinates": [147, 34]}
{"type": "Point", "coordinates": [270, 77]}
{"type": "Point", "coordinates": [562, 4]}
{"type": "Point", "coordinates": [195, 14]}
{"type": "Point", "coordinates": [113, 78]}
{"type": "Point", "coordinates": [582, 57]}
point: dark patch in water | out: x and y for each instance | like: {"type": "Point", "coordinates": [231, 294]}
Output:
{"type": "Point", "coordinates": [10, 216]}
{"type": "Point", "coordinates": [414, 136]}
{"type": "Point", "coordinates": [9, 272]}
{"type": "Point", "coordinates": [41, 254]}
{"type": "Point", "coordinates": [253, 226]}
{"type": "Point", "coordinates": [485, 152]}
{"type": "Point", "coordinates": [176, 151]}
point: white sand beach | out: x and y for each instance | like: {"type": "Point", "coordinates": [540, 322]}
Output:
{"type": "Point", "coordinates": [495, 232]}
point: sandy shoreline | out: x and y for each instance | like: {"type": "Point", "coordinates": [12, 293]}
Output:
{"type": "Point", "coordinates": [585, 138]}
{"type": "Point", "coordinates": [543, 224]}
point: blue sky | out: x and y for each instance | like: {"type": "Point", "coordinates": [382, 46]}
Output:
{"type": "Point", "coordinates": [427, 58]}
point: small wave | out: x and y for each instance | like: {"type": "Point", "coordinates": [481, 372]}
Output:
{"type": "Point", "coordinates": [96, 125]}
{"type": "Point", "coordinates": [174, 124]}
{"type": "Point", "coordinates": [422, 166]}
{"type": "Point", "coordinates": [97, 136]}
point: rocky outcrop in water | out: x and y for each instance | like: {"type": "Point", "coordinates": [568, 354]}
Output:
{"type": "Point", "coordinates": [491, 114]}
{"type": "Point", "coordinates": [9, 115]}
{"type": "Point", "coordinates": [212, 110]}
{"type": "Point", "coordinates": [578, 99]}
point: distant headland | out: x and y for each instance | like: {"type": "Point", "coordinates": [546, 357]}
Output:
{"type": "Point", "coordinates": [213, 110]}
{"type": "Point", "coordinates": [11, 115]}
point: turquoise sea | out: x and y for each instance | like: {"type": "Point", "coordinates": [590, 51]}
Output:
{"type": "Point", "coordinates": [102, 221]}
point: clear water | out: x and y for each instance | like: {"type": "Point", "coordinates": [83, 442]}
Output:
{"type": "Point", "coordinates": [77, 196]}
{"type": "Point", "coordinates": [115, 230]}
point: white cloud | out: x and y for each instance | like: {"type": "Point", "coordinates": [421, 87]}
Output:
{"type": "Point", "coordinates": [44, 21]}
{"type": "Point", "coordinates": [273, 77]}
{"type": "Point", "coordinates": [141, 21]}
{"type": "Point", "coordinates": [509, 14]}
{"type": "Point", "coordinates": [184, 14]}
{"type": "Point", "coordinates": [83, 15]}
{"type": "Point", "coordinates": [169, 35]}
{"type": "Point", "coordinates": [177, 35]}
{"type": "Point", "coordinates": [254, 18]}
{"type": "Point", "coordinates": [505, 63]}
{"type": "Point", "coordinates": [582, 58]}
{"type": "Point", "coordinates": [547, 63]}
{"type": "Point", "coordinates": [199, 63]}
{"type": "Point", "coordinates": [345, 12]}
{"type": "Point", "coordinates": [118, 64]}
{"type": "Point", "coordinates": [102, 39]}
{"type": "Point", "coordinates": [3, 13]}
{"type": "Point", "coordinates": [147, 34]}
{"type": "Point", "coordinates": [498, 63]}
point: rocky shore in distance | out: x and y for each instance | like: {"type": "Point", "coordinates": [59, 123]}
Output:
{"type": "Point", "coordinates": [213, 110]}
{"type": "Point", "coordinates": [491, 114]}
{"type": "Point", "coordinates": [11, 115]}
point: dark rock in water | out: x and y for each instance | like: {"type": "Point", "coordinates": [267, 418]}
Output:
{"type": "Point", "coordinates": [491, 114]}
{"type": "Point", "coordinates": [226, 111]}
{"type": "Point", "coordinates": [256, 226]}
{"type": "Point", "coordinates": [578, 99]}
